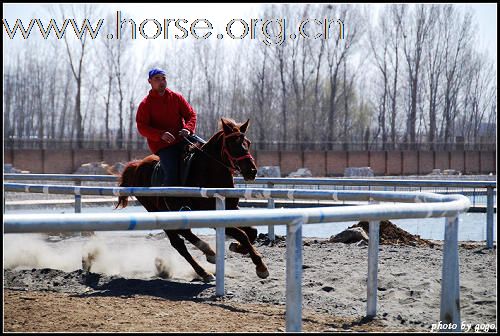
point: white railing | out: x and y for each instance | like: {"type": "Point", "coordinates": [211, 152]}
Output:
{"type": "Point", "coordinates": [489, 186]}
{"type": "Point", "coordinates": [427, 205]}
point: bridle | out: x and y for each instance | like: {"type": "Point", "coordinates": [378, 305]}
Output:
{"type": "Point", "coordinates": [233, 161]}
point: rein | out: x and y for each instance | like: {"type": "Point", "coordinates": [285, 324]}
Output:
{"type": "Point", "coordinates": [231, 158]}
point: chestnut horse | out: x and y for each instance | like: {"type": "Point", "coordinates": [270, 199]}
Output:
{"type": "Point", "coordinates": [212, 166]}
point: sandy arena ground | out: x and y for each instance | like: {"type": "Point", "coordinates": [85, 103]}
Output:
{"type": "Point", "coordinates": [46, 290]}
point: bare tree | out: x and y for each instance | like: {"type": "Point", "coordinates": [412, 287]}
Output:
{"type": "Point", "coordinates": [317, 57]}
{"type": "Point", "coordinates": [457, 33]}
{"type": "Point", "coordinates": [395, 14]}
{"type": "Point", "coordinates": [76, 61]}
{"type": "Point", "coordinates": [379, 44]}
{"type": "Point", "coordinates": [481, 97]}
{"type": "Point", "coordinates": [415, 33]}
{"type": "Point", "coordinates": [107, 64]}
{"type": "Point", "coordinates": [434, 69]}
{"type": "Point", "coordinates": [417, 66]}
{"type": "Point", "coordinates": [279, 58]}
{"type": "Point", "coordinates": [210, 61]}
{"type": "Point", "coordinates": [338, 49]}
{"type": "Point", "coordinates": [262, 89]}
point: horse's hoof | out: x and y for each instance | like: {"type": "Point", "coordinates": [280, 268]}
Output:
{"type": "Point", "coordinates": [208, 278]}
{"type": "Point", "coordinates": [211, 258]}
{"type": "Point", "coordinates": [263, 274]}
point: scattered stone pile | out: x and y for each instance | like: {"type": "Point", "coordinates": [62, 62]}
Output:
{"type": "Point", "coordinates": [358, 171]}
{"type": "Point", "coordinates": [301, 172]}
{"type": "Point", "coordinates": [269, 171]}
{"type": "Point", "coordinates": [93, 168]}
{"type": "Point", "coordinates": [350, 235]}
{"type": "Point", "coordinates": [445, 172]}
{"type": "Point", "coordinates": [390, 234]}
{"type": "Point", "coordinates": [263, 239]}
{"type": "Point", "coordinates": [9, 169]}
{"type": "Point", "coordinates": [100, 168]}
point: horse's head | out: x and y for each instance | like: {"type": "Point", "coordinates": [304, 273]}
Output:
{"type": "Point", "coordinates": [236, 147]}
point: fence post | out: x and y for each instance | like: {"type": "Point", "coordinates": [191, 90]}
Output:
{"type": "Point", "coordinates": [270, 205]}
{"type": "Point", "coordinates": [78, 198]}
{"type": "Point", "coordinates": [489, 218]}
{"type": "Point", "coordinates": [220, 237]}
{"type": "Point", "coordinates": [450, 284]}
{"type": "Point", "coordinates": [373, 244]}
{"type": "Point", "coordinates": [294, 275]}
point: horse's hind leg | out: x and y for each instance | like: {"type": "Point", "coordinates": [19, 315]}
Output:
{"type": "Point", "coordinates": [251, 233]}
{"type": "Point", "coordinates": [252, 236]}
{"type": "Point", "coordinates": [200, 244]}
{"type": "Point", "coordinates": [178, 243]}
{"type": "Point", "coordinates": [242, 238]}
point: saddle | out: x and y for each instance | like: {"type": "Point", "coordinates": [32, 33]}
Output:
{"type": "Point", "coordinates": [158, 176]}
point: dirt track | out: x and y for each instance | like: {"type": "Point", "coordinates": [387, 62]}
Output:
{"type": "Point", "coordinates": [333, 291]}
{"type": "Point", "coordinates": [36, 311]}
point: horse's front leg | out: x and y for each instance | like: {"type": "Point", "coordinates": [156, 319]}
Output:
{"type": "Point", "coordinates": [200, 244]}
{"type": "Point", "coordinates": [178, 243]}
{"type": "Point", "coordinates": [242, 238]}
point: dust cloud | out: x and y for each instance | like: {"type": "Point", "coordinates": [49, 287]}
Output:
{"type": "Point", "coordinates": [135, 257]}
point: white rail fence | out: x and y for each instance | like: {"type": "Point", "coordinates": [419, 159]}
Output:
{"type": "Point", "coordinates": [487, 187]}
{"type": "Point", "coordinates": [425, 205]}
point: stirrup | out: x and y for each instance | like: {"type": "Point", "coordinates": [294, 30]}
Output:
{"type": "Point", "coordinates": [185, 208]}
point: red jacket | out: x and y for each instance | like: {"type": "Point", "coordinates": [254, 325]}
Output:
{"type": "Point", "coordinates": [157, 114]}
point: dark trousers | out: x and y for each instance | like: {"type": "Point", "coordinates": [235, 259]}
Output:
{"type": "Point", "coordinates": [170, 161]}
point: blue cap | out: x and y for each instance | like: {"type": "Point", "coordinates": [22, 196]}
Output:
{"type": "Point", "coordinates": [156, 71]}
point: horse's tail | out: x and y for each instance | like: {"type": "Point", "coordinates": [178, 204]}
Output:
{"type": "Point", "coordinates": [127, 179]}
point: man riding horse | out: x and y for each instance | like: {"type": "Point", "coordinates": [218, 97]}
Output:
{"type": "Point", "coordinates": [164, 117]}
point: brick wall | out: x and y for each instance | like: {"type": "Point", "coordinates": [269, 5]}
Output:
{"type": "Point", "coordinates": [330, 163]}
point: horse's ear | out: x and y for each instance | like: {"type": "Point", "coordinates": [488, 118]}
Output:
{"type": "Point", "coordinates": [243, 128]}
{"type": "Point", "coordinates": [225, 127]}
